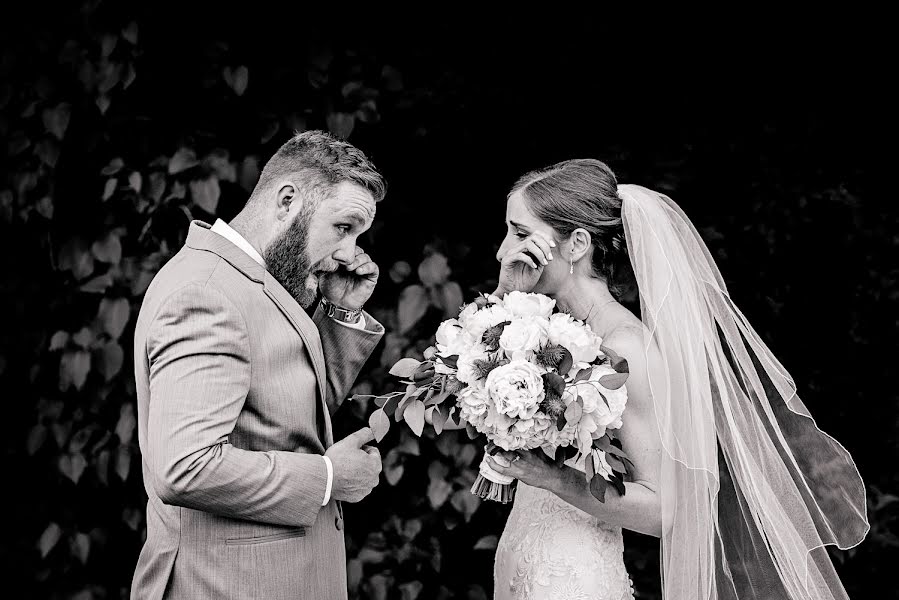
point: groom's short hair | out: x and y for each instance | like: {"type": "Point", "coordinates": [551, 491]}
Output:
{"type": "Point", "coordinates": [317, 161]}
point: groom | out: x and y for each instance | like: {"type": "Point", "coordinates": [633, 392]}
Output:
{"type": "Point", "coordinates": [236, 385]}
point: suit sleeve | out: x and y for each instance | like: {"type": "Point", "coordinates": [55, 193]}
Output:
{"type": "Point", "coordinates": [200, 367]}
{"type": "Point", "coordinates": [346, 349]}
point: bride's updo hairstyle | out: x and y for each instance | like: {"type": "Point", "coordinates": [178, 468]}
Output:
{"type": "Point", "coordinates": [580, 194]}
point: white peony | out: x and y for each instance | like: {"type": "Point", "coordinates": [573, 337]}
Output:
{"type": "Point", "coordinates": [486, 318]}
{"type": "Point", "coordinates": [602, 416]}
{"type": "Point", "coordinates": [516, 389]}
{"type": "Point", "coordinates": [522, 336]}
{"type": "Point", "coordinates": [470, 309]}
{"type": "Point", "coordinates": [577, 337]}
{"type": "Point", "coordinates": [451, 338]}
{"type": "Point", "coordinates": [521, 304]}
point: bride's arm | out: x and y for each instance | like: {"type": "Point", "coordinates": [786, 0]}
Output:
{"type": "Point", "coordinates": [640, 508]}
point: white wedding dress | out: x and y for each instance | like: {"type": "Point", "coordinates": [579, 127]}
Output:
{"type": "Point", "coordinates": [551, 550]}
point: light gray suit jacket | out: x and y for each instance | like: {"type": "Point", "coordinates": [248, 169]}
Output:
{"type": "Point", "coordinates": [234, 386]}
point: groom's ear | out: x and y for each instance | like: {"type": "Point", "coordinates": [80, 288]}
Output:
{"type": "Point", "coordinates": [286, 195]}
{"type": "Point", "coordinates": [581, 242]}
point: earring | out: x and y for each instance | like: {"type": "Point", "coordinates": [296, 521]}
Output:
{"type": "Point", "coordinates": [570, 266]}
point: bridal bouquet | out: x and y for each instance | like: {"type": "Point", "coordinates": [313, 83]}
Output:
{"type": "Point", "coordinates": [524, 375]}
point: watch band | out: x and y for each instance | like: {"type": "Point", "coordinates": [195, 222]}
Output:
{"type": "Point", "coordinates": [338, 313]}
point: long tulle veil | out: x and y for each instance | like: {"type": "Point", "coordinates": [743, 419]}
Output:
{"type": "Point", "coordinates": [752, 490]}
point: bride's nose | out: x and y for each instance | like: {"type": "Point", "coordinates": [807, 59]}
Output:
{"type": "Point", "coordinates": [502, 250]}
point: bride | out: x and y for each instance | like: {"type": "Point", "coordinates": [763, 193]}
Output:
{"type": "Point", "coordinates": [730, 470]}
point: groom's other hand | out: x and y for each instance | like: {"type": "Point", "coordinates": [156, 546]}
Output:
{"type": "Point", "coordinates": [356, 466]}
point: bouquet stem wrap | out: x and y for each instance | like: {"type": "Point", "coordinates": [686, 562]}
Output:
{"type": "Point", "coordinates": [491, 485]}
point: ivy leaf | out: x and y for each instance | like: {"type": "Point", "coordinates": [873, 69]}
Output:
{"type": "Point", "coordinates": [205, 193]}
{"type": "Point", "coordinates": [132, 518]}
{"type": "Point", "coordinates": [412, 307]}
{"type": "Point", "coordinates": [405, 368]}
{"type": "Point", "coordinates": [464, 457]}
{"type": "Point", "coordinates": [434, 271]}
{"type": "Point", "coordinates": [183, 159]}
{"type": "Point", "coordinates": [80, 439]}
{"type": "Point", "coordinates": [45, 208]}
{"type": "Point", "coordinates": [448, 297]}
{"type": "Point", "coordinates": [48, 152]}
{"type": "Point", "coordinates": [129, 33]}
{"type": "Point", "coordinates": [123, 462]}
{"type": "Point", "coordinates": [124, 429]}
{"type": "Point", "coordinates": [56, 120]}
{"type": "Point", "coordinates": [439, 491]}
{"type": "Point", "coordinates": [114, 166]}
{"type": "Point", "coordinates": [237, 78]}
{"type": "Point", "coordinates": [98, 284]}
{"type": "Point", "coordinates": [59, 340]}
{"type": "Point", "coordinates": [84, 338]}
{"type": "Point", "coordinates": [109, 189]}
{"type": "Point", "coordinates": [415, 416]}
{"type": "Point", "coordinates": [75, 256]}
{"type": "Point", "coordinates": [488, 542]}
{"type": "Point", "coordinates": [466, 503]}
{"type": "Point", "coordinates": [81, 547]}
{"type": "Point", "coordinates": [613, 382]}
{"type": "Point", "coordinates": [36, 438]}
{"type": "Point", "coordinates": [108, 249]}
{"type": "Point", "coordinates": [49, 539]}
{"type": "Point", "coordinates": [411, 590]}
{"type": "Point", "coordinates": [113, 315]}
{"type": "Point", "coordinates": [393, 467]}
{"type": "Point", "coordinates": [101, 466]}
{"type": "Point", "coordinates": [135, 181]}
{"type": "Point", "coordinates": [73, 369]}
{"type": "Point", "coordinates": [341, 124]}
{"type": "Point", "coordinates": [379, 423]}
{"type": "Point", "coordinates": [72, 466]}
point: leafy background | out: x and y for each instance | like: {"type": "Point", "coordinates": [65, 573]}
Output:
{"type": "Point", "coordinates": [121, 123]}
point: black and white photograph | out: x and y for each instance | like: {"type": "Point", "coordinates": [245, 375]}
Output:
{"type": "Point", "coordinates": [306, 302]}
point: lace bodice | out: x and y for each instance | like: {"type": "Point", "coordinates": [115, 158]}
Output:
{"type": "Point", "coordinates": [551, 550]}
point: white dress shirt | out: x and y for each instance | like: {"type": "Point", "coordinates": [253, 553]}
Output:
{"type": "Point", "coordinates": [228, 232]}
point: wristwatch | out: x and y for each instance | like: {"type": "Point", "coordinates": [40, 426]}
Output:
{"type": "Point", "coordinates": [338, 313]}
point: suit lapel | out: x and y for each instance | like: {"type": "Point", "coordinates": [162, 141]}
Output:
{"type": "Point", "coordinates": [311, 339]}
{"type": "Point", "coordinates": [200, 237]}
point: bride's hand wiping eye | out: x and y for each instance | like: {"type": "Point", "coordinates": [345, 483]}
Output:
{"type": "Point", "coordinates": [522, 265]}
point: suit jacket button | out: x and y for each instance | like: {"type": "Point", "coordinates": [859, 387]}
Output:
{"type": "Point", "coordinates": [338, 523]}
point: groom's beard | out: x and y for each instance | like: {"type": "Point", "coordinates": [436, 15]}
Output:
{"type": "Point", "coordinates": [288, 262]}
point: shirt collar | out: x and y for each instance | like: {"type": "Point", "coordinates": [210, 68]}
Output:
{"type": "Point", "coordinates": [228, 232]}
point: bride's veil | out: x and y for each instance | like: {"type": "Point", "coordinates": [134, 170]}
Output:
{"type": "Point", "coordinates": [751, 489]}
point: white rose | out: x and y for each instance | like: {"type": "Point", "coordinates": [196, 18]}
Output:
{"type": "Point", "coordinates": [516, 389]}
{"type": "Point", "coordinates": [486, 318]}
{"type": "Point", "coordinates": [522, 336]}
{"type": "Point", "coordinates": [521, 304]}
{"type": "Point", "coordinates": [577, 337]}
{"type": "Point", "coordinates": [592, 392]}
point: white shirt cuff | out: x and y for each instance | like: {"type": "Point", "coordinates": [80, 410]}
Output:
{"type": "Point", "coordinates": [330, 468]}
{"type": "Point", "coordinates": [360, 324]}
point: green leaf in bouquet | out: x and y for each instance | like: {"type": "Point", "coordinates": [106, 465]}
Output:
{"type": "Point", "coordinates": [450, 361]}
{"type": "Point", "coordinates": [618, 483]}
{"type": "Point", "coordinates": [583, 375]}
{"type": "Point", "coordinates": [471, 431]}
{"type": "Point", "coordinates": [405, 367]}
{"type": "Point", "coordinates": [617, 362]}
{"type": "Point", "coordinates": [415, 416]}
{"type": "Point", "coordinates": [379, 423]}
{"type": "Point", "coordinates": [616, 463]}
{"type": "Point", "coordinates": [392, 403]}
{"type": "Point", "coordinates": [613, 382]}
{"type": "Point", "coordinates": [575, 411]}
{"type": "Point", "coordinates": [437, 398]}
{"type": "Point", "coordinates": [590, 468]}
{"type": "Point", "coordinates": [553, 384]}
{"type": "Point", "coordinates": [424, 371]}
{"type": "Point", "coordinates": [401, 408]}
{"type": "Point", "coordinates": [598, 487]}
{"type": "Point", "coordinates": [604, 399]}
{"type": "Point", "coordinates": [561, 422]}
{"type": "Point", "coordinates": [438, 418]}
